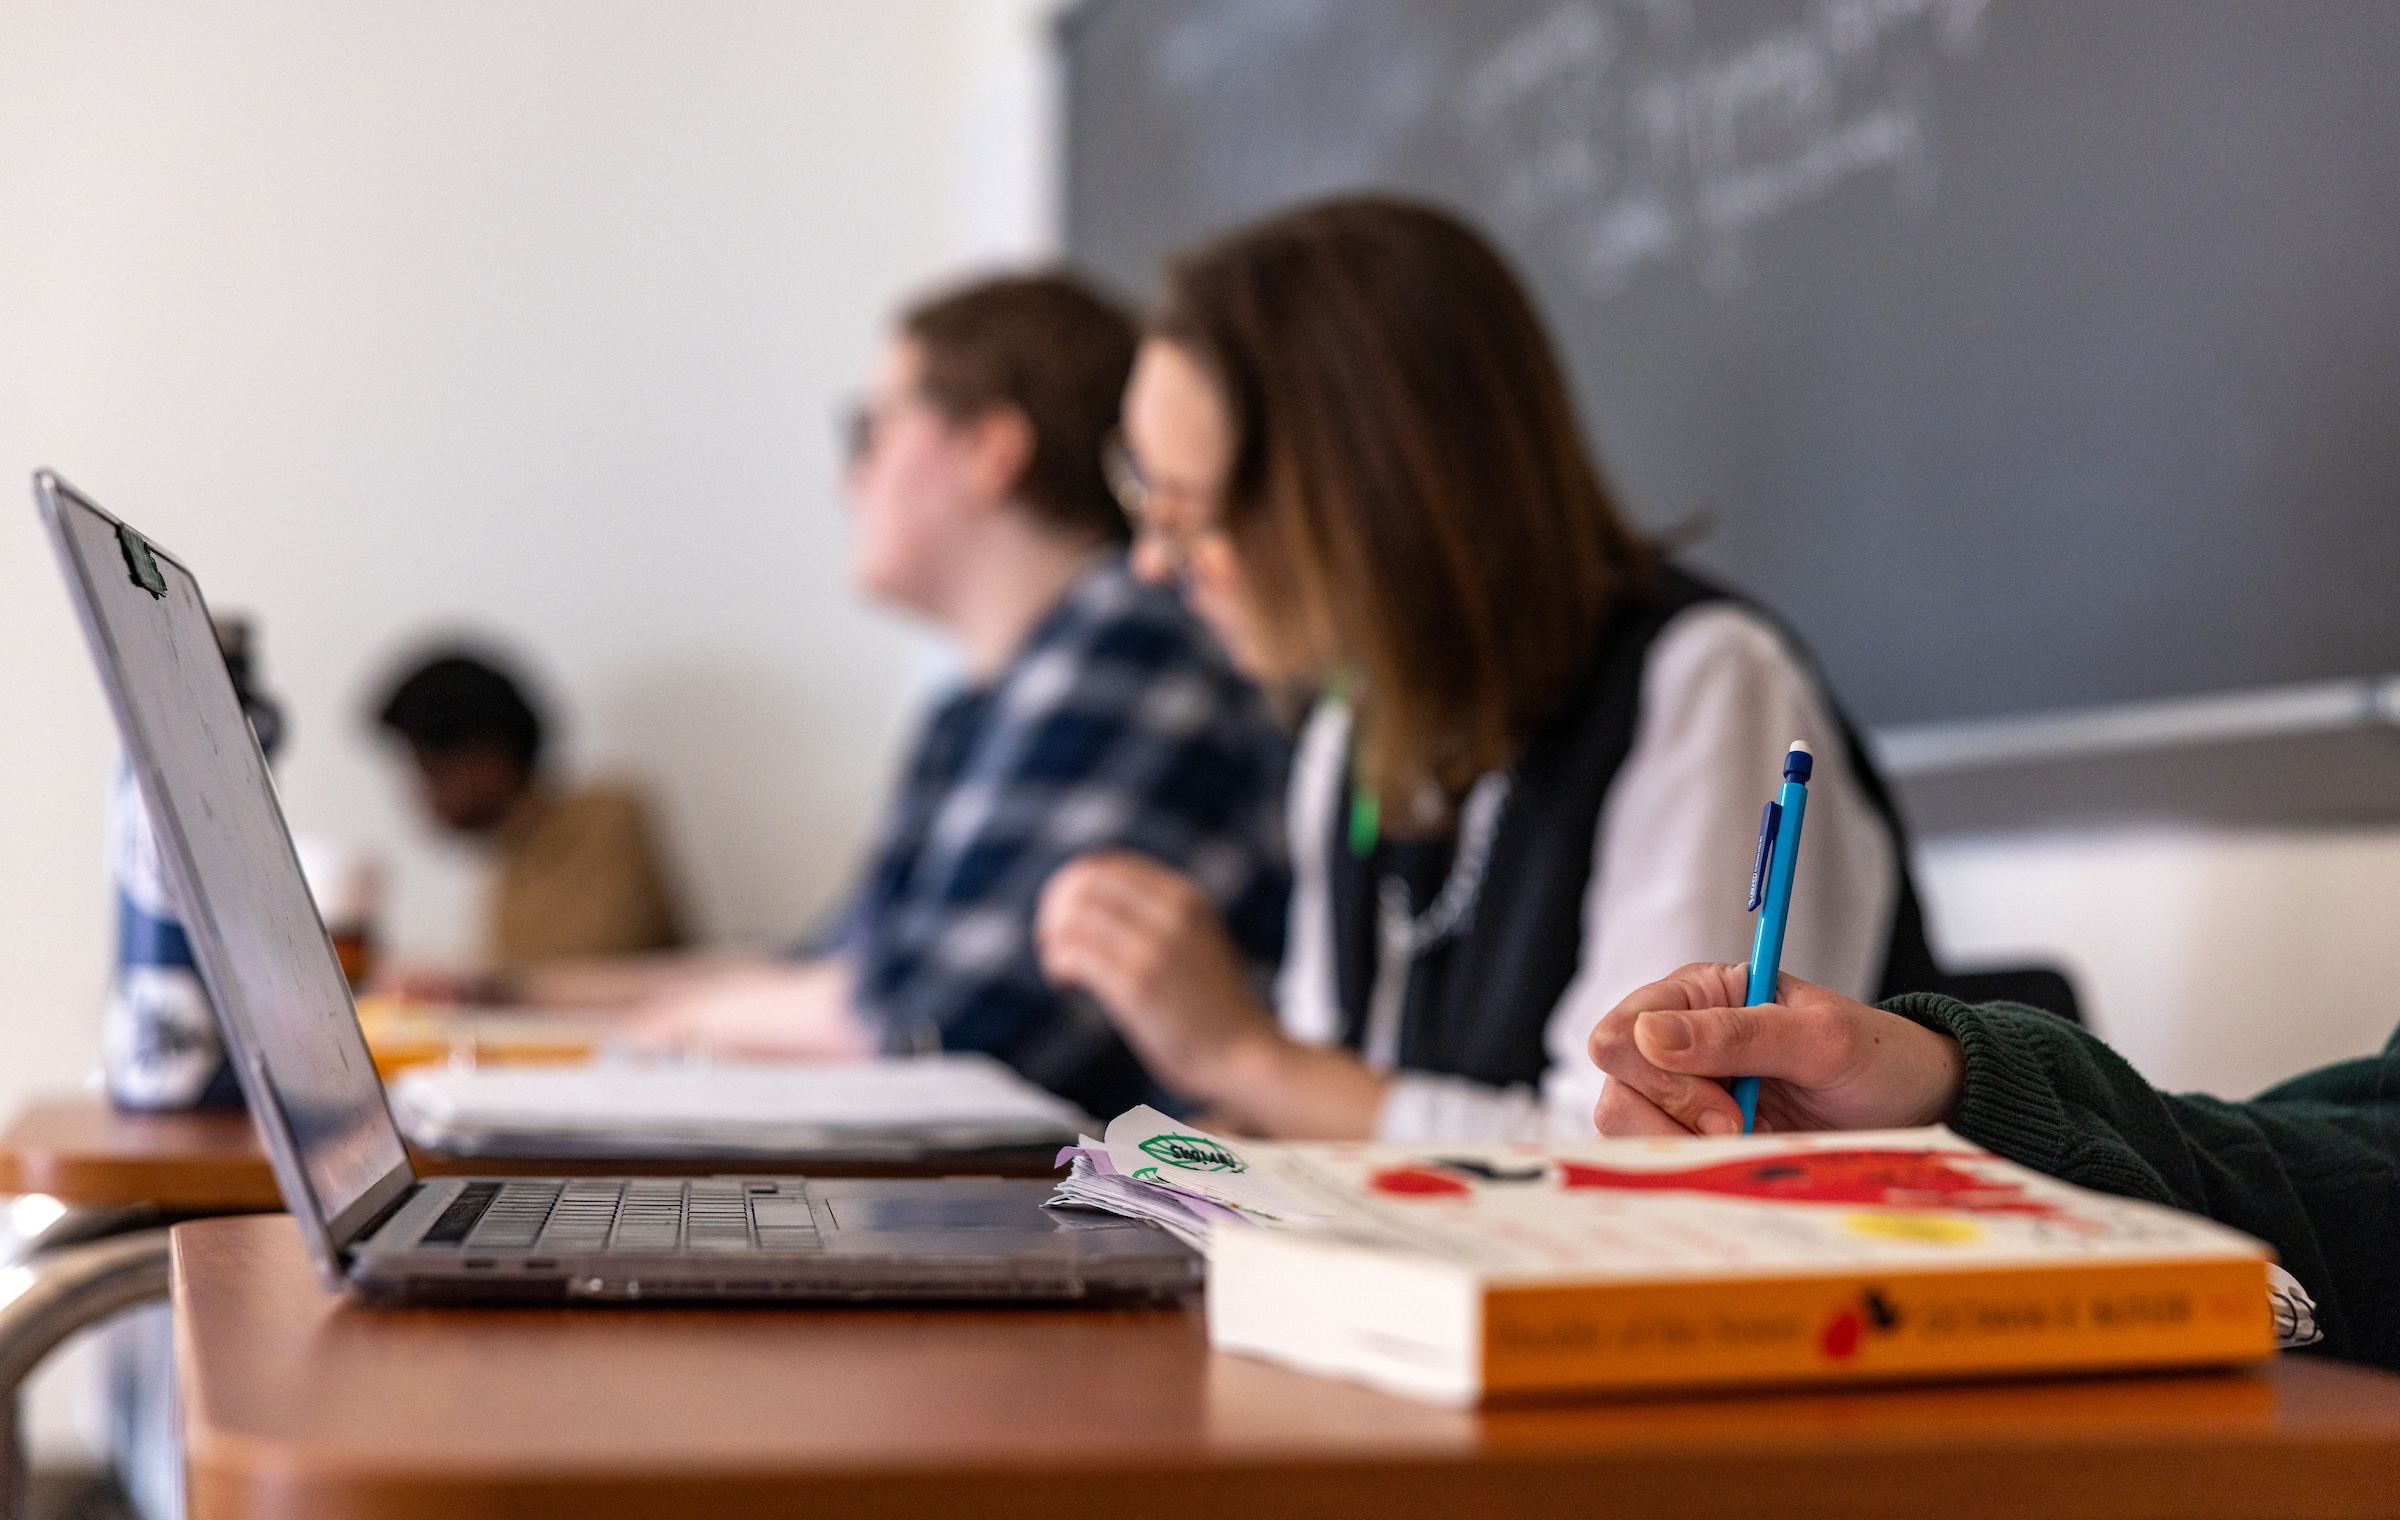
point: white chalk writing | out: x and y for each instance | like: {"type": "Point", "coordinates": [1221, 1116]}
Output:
{"type": "Point", "coordinates": [1611, 127]}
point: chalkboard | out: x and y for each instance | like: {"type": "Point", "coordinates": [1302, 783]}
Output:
{"type": "Point", "coordinates": [2026, 355]}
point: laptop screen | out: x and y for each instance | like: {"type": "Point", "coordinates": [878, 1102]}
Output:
{"type": "Point", "coordinates": [261, 947]}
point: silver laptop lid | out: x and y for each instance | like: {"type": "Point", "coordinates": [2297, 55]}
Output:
{"type": "Point", "coordinates": [263, 952]}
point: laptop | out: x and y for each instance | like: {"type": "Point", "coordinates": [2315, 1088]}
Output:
{"type": "Point", "coordinates": [370, 1223]}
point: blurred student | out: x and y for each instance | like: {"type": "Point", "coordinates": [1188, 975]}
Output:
{"type": "Point", "coordinates": [578, 866]}
{"type": "Point", "coordinates": [1094, 712]}
{"type": "Point", "coordinates": [2312, 1166]}
{"type": "Point", "coordinates": [1540, 756]}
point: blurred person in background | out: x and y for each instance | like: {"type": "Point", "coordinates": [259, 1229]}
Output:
{"type": "Point", "coordinates": [578, 867]}
{"type": "Point", "coordinates": [1536, 767]}
{"type": "Point", "coordinates": [1093, 711]}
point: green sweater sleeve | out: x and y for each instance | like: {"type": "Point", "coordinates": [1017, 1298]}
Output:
{"type": "Point", "coordinates": [2312, 1167]}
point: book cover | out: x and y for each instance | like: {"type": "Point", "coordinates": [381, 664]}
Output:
{"type": "Point", "coordinates": [1461, 1272]}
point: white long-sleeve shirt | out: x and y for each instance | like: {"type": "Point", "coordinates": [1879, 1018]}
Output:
{"type": "Point", "coordinates": [1723, 697]}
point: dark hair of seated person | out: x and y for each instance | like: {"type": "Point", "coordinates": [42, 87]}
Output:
{"type": "Point", "coordinates": [1052, 349]}
{"type": "Point", "coordinates": [456, 699]}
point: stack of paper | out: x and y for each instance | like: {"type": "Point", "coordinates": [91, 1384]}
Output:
{"type": "Point", "coordinates": [1093, 1182]}
{"type": "Point", "coordinates": [1153, 1164]}
{"type": "Point", "coordinates": [871, 1109]}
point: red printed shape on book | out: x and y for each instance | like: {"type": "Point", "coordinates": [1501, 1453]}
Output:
{"type": "Point", "coordinates": [1419, 1182]}
{"type": "Point", "coordinates": [1840, 1340]}
{"type": "Point", "coordinates": [1880, 1179]}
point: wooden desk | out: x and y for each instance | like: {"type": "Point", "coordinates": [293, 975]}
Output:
{"type": "Point", "coordinates": [86, 1153]}
{"type": "Point", "coordinates": [298, 1403]}
{"type": "Point", "coordinates": [82, 1151]}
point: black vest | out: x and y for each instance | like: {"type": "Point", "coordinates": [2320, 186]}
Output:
{"type": "Point", "coordinates": [1477, 1005]}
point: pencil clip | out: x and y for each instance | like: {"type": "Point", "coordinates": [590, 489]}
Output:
{"type": "Point", "coordinates": [1768, 822]}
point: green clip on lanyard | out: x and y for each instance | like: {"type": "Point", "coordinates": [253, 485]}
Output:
{"type": "Point", "coordinates": [1365, 821]}
{"type": "Point", "coordinates": [1366, 813]}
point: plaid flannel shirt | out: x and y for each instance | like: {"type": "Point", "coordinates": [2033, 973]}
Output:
{"type": "Point", "coordinates": [1119, 723]}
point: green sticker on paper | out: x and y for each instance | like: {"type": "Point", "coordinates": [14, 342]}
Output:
{"type": "Point", "coordinates": [1194, 1153]}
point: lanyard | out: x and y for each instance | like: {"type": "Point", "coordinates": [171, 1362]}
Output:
{"type": "Point", "coordinates": [1402, 936]}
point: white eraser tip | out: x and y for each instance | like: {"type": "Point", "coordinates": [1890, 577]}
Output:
{"type": "Point", "coordinates": [1800, 747]}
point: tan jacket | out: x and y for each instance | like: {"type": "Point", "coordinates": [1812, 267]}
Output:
{"type": "Point", "coordinates": [579, 875]}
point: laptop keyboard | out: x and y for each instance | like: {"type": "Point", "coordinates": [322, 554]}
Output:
{"type": "Point", "coordinates": [620, 1215]}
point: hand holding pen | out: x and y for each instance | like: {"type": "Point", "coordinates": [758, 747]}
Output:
{"type": "Point", "coordinates": [1829, 1062]}
{"type": "Point", "coordinates": [1836, 1063]}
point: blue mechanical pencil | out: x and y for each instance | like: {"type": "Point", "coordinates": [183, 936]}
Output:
{"type": "Point", "coordinates": [1771, 887]}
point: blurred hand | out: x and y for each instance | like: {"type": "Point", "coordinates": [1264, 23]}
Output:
{"type": "Point", "coordinates": [794, 1011]}
{"type": "Point", "coordinates": [1825, 1061]}
{"type": "Point", "coordinates": [1147, 942]}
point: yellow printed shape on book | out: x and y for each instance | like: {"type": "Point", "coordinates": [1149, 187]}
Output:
{"type": "Point", "coordinates": [1924, 1229]}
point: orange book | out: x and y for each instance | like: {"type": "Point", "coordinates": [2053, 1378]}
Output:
{"type": "Point", "coordinates": [1466, 1272]}
{"type": "Point", "coordinates": [402, 1034]}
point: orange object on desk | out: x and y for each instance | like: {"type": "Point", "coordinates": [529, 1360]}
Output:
{"type": "Point", "coordinates": [402, 1033]}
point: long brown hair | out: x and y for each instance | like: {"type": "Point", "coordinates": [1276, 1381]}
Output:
{"type": "Point", "coordinates": [1410, 491]}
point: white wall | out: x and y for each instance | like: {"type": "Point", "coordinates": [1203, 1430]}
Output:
{"type": "Point", "coordinates": [525, 317]}
{"type": "Point", "coordinates": [2215, 962]}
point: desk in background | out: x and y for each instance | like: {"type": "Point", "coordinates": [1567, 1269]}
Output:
{"type": "Point", "coordinates": [84, 1153]}
{"type": "Point", "coordinates": [297, 1402]}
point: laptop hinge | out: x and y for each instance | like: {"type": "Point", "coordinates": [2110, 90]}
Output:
{"type": "Point", "coordinates": [376, 1221]}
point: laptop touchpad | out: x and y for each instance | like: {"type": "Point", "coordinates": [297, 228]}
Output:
{"type": "Point", "coordinates": [942, 1214]}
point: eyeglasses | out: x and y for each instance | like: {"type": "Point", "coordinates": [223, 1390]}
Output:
{"type": "Point", "coordinates": [1140, 501]}
{"type": "Point", "coordinates": [859, 419]}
